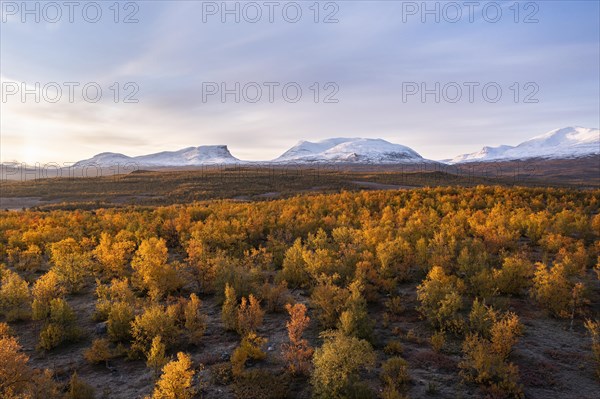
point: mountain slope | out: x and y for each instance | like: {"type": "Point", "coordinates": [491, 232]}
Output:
{"type": "Point", "coordinates": [350, 150]}
{"type": "Point", "coordinates": [191, 156]}
{"type": "Point", "coordinates": [565, 143]}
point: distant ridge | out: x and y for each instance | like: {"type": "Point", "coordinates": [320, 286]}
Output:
{"type": "Point", "coordinates": [565, 143]}
{"type": "Point", "coordinates": [191, 156]}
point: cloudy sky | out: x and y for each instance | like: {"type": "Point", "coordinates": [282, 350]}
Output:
{"type": "Point", "coordinates": [361, 67]}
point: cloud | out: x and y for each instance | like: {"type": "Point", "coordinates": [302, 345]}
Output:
{"type": "Point", "coordinates": [170, 53]}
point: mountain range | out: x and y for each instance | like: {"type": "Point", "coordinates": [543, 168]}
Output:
{"type": "Point", "coordinates": [565, 143]}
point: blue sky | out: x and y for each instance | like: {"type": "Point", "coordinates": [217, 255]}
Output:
{"type": "Point", "coordinates": [370, 54]}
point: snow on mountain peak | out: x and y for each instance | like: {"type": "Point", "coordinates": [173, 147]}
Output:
{"type": "Point", "coordinates": [568, 142]}
{"type": "Point", "coordinates": [355, 150]}
{"type": "Point", "coordinates": [191, 156]}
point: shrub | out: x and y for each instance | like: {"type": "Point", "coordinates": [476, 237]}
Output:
{"type": "Point", "coordinates": [46, 288]}
{"type": "Point", "coordinates": [155, 320]}
{"type": "Point", "coordinates": [113, 255]}
{"type": "Point", "coordinates": [275, 297]}
{"type": "Point", "coordinates": [29, 259]}
{"type": "Point", "coordinates": [514, 276]}
{"type": "Point", "coordinates": [176, 381]}
{"type": "Point", "coordinates": [441, 300]}
{"type": "Point", "coordinates": [485, 360]}
{"type": "Point", "coordinates": [297, 352]}
{"type": "Point", "coordinates": [15, 299]}
{"type": "Point", "coordinates": [152, 272]}
{"type": "Point", "coordinates": [71, 263]}
{"type": "Point", "coordinates": [250, 348]}
{"type": "Point", "coordinates": [484, 366]}
{"type": "Point", "coordinates": [294, 269]}
{"type": "Point", "coordinates": [355, 320]}
{"type": "Point", "coordinates": [394, 306]}
{"type": "Point", "coordinates": [51, 336]}
{"type": "Point", "coordinates": [505, 334]}
{"type": "Point", "coordinates": [551, 289]}
{"type": "Point", "coordinates": [396, 259]}
{"type": "Point", "coordinates": [438, 340]}
{"type": "Point", "coordinates": [202, 266]}
{"type": "Point", "coordinates": [156, 358]}
{"type": "Point", "coordinates": [482, 318]}
{"type": "Point", "coordinates": [261, 384]}
{"type": "Point", "coordinates": [108, 295]}
{"type": "Point", "coordinates": [5, 330]}
{"type": "Point", "coordinates": [593, 328]}
{"type": "Point", "coordinates": [14, 371]}
{"type": "Point", "coordinates": [195, 321]}
{"type": "Point", "coordinates": [394, 372]}
{"type": "Point", "coordinates": [249, 316]}
{"type": "Point", "coordinates": [119, 321]}
{"type": "Point", "coordinates": [394, 348]}
{"type": "Point", "coordinates": [99, 352]}
{"type": "Point", "coordinates": [333, 375]}
{"type": "Point", "coordinates": [79, 389]}
{"type": "Point", "coordinates": [61, 325]}
{"type": "Point", "coordinates": [229, 309]}
{"type": "Point", "coordinates": [221, 374]}
{"type": "Point", "coordinates": [328, 300]}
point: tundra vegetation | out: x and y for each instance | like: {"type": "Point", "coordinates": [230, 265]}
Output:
{"type": "Point", "coordinates": [450, 291]}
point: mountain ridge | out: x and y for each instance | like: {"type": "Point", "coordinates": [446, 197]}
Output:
{"type": "Point", "coordinates": [565, 143]}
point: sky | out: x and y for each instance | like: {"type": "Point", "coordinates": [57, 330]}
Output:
{"type": "Point", "coordinates": [443, 78]}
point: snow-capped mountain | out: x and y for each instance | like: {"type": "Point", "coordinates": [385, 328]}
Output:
{"type": "Point", "coordinates": [191, 156]}
{"type": "Point", "coordinates": [350, 150]}
{"type": "Point", "coordinates": [568, 142]}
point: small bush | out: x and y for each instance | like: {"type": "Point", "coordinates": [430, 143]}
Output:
{"type": "Point", "coordinates": [60, 327]}
{"type": "Point", "coordinates": [250, 348]}
{"type": "Point", "coordinates": [275, 297]}
{"type": "Point", "coordinates": [229, 309]}
{"type": "Point", "coordinates": [221, 374]}
{"type": "Point", "coordinates": [552, 289]}
{"type": "Point", "coordinates": [438, 340]}
{"type": "Point", "coordinates": [394, 348]}
{"type": "Point", "coordinates": [261, 384]}
{"type": "Point", "coordinates": [99, 352]}
{"type": "Point", "coordinates": [195, 321]}
{"type": "Point", "coordinates": [395, 372]}
{"type": "Point", "coordinates": [593, 328]}
{"type": "Point", "coordinates": [15, 299]}
{"type": "Point", "coordinates": [176, 381]}
{"type": "Point", "coordinates": [120, 317]}
{"type": "Point", "coordinates": [394, 306]}
{"type": "Point", "coordinates": [155, 320]}
{"type": "Point", "coordinates": [79, 389]}
{"type": "Point", "coordinates": [334, 375]}
{"type": "Point", "coordinates": [441, 300]}
{"type": "Point", "coordinates": [156, 358]}
{"type": "Point", "coordinates": [297, 352]}
{"type": "Point", "coordinates": [250, 315]}
{"type": "Point", "coordinates": [485, 360]}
